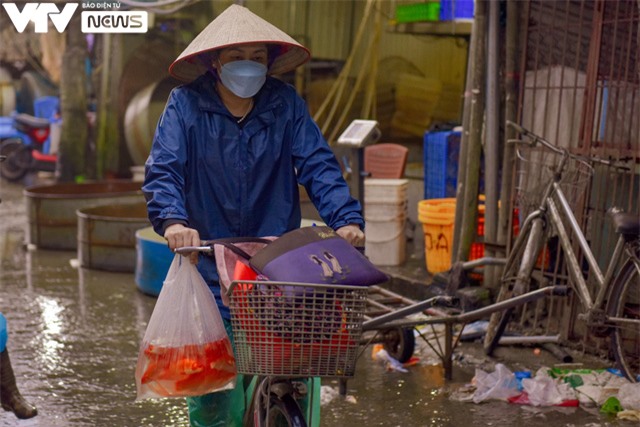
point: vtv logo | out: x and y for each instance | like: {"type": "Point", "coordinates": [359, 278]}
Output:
{"type": "Point", "coordinates": [39, 13]}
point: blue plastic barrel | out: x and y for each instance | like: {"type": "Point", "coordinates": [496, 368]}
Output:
{"type": "Point", "coordinates": [153, 259]}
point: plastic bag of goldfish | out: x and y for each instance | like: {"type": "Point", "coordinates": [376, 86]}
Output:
{"type": "Point", "coordinates": [185, 350]}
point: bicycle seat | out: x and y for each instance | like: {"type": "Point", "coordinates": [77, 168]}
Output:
{"type": "Point", "coordinates": [32, 122]}
{"type": "Point", "coordinates": [627, 224]}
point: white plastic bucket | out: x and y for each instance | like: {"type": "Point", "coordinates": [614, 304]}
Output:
{"type": "Point", "coordinates": [385, 241]}
{"type": "Point", "coordinates": [382, 231]}
{"type": "Point", "coordinates": [384, 211]}
{"type": "Point", "coordinates": [137, 173]}
{"type": "Point", "coordinates": [385, 190]}
{"type": "Point", "coordinates": [386, 252]}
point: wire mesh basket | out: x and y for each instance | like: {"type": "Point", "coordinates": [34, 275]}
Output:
{"type": "Point", "coordinates": [296, 330]}
{"type": "Point", "coordinates": [535, 169]}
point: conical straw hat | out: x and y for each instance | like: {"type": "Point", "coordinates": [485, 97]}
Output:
{"type": "Point", "coordinates": [238, 25]}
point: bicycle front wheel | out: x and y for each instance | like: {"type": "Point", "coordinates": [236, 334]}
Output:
{"type": "Point", "coordinates": [516, 278]}
{"type": "Point", "coordinates": [624, 307]}
{"type": "Point", "coordinates": [285, 412]}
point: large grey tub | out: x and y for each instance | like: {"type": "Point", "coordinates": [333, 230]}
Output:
{"type": "Point", "coordinates": [51, 209]}
{"type": "Point", "coordinates": [107, 236]}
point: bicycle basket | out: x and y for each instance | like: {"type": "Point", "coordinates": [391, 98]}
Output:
{"type": "Point", "coordinates": [297, 330]}
{"type": "Point", "coordinates": [535, 169]}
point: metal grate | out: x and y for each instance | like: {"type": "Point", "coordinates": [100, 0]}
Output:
{"type": "Point", "coordinates": [580, 89]}
{"type": "Point", "coordinates": [297, 330]}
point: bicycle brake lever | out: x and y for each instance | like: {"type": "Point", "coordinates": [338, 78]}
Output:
{"type": "Point", "coordinates": [611, 163]}
{"type": "Point", "coordinates": [517, 127]}
{"type": "Point", "coordinates": [516, 141]}
{"type": "Point", "coordinates": [186, 250]}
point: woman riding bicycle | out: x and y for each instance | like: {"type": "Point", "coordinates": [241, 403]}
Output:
{"type": "Point", "coordinates": [230, 149]}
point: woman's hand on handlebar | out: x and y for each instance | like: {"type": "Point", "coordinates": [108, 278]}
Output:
{"type": "Point", "coordinates": [352, 234]}
{"type": "Point", "coordinates": [178, 236]}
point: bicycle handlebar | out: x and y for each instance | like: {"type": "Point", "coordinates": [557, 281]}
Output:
{"type": "Point", "coordinates": [535, 139]}
{"type": "Point", "coordinates": [208, 248]}
{"type": "Point", "coordinates": [186, 250]}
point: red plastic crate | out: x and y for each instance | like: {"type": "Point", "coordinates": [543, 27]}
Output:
{"type": "Point", "coordinates": [477, 248]}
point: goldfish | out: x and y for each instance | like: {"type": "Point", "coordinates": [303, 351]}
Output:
{"type": "Point", "coordinates": [188, 370]}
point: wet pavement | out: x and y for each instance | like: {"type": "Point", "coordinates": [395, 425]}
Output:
{"type": "Point", "coordinates": [74, 337]}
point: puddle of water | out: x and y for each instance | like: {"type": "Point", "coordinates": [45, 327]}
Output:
{"type": "Point", "coordinates": [74, 336]}
{"type": "Point", "coordinates": [74, 339]}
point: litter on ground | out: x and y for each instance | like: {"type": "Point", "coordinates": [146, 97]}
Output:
{"type": "Point", "coordinates": [605, 389]}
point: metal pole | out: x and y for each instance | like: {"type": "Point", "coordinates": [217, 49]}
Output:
{"type": "Point", "coordinates": [464, 140]}
{"type": "Point", "coordinates": [469, 202]}
{"type": "Point", "coordinates": [521, 340]}
{"type": "Point", "coordinates": [492, 143]}
{"type": "Point", "coordinates": [510, 113]}
{"type": "Point", "coordinates": [448, 351]}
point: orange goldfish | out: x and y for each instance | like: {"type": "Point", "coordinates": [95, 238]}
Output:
{"type": "Point", "coordinates": [190, 369]}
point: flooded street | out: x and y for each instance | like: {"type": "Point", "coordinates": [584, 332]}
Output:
{"type": "Point", "coordinates": [74, 337]}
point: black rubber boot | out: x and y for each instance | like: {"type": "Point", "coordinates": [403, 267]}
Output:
{"type": "Point", "coordinates": [10, 397]}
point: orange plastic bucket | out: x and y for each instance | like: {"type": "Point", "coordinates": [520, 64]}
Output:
{"type": "Point", "coordinates": [437, 217]}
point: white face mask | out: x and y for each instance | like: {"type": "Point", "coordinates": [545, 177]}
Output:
{"type": "Point", "coordinates": [243, 78]}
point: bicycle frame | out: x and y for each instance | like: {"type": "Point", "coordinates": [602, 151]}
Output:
{"type": "Point", "coordinates": [561, 210]}
{"type": "Point", "coordinates": [557, 208]}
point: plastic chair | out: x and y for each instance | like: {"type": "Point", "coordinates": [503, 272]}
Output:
{"type": "Point", "coordinates": [386, 160]}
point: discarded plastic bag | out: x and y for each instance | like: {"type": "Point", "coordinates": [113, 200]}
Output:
{"type": "Point", "coordinates": [500, 384]}
{"type": "Point", "coordinates": [629, 396]}
{"type": "Point", "coordinates": [599, 386]}
{"type": "Point", "coordinates": [545, 391]}
{"type": "Point", "coordinates": [611, 406]}
{"type": "Point", "coordinates": [185, 350]}
{"type": "Point", "coordinates": [523, 399]}
{"type": "Point", "coordinates": [381, 355]}
{"type": "Point", "coordinates": [629, 415]}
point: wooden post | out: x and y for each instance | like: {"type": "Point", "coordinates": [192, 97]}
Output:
{"type": "Point", "coordinates": [108, 136]}
{"type": "Point", "coordinates": [469, 202]}
{"type": "Point", "coordinates": [511, 98]}
{"type": "Point", "coordinates": [464, 140]}
{"type": "Point", "coordinates": [73, 106]}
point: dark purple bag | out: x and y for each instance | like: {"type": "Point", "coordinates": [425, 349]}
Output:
{"type": "Point", "coordinates": [315, 255]}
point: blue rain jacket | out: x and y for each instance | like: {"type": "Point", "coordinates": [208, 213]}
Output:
{"type": "Point", "coordinates": [226, 179]}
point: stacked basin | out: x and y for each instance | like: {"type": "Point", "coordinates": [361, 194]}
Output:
{"type": "Point", "coordinates": [98, 220]}
{"type": "Point", "coordinates": [106, 235]}
{"type": "Point", "coordinates": [51, 209]}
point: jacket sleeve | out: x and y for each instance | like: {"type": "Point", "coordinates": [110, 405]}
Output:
{"type": "Point", "coordinates": [164, 183]}
{"type": "Point", "coordinates": [319, 172]}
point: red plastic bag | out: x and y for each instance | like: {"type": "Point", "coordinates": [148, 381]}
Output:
{"type": "Point", "coordinates": [186, 350]}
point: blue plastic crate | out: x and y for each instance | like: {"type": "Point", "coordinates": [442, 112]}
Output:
{"type": "Point", "coordinates": [7, 129]}
{"type": "Point", "coordinates": [46, 106]}
{"type": "Point", "coordinates": [456, 9]}
{"type": "Point", "coordinates": [441, 152]}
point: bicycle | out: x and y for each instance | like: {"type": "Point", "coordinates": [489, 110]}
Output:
{"type": "Point", "coordinates": [615, 309]}
{"type": "Point", "coordinates": [287, 337]}
{"type": "Point", "coordinates": [287, 332]}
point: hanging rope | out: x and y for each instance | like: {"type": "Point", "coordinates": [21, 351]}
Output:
{"type": "Point", "coordinates": [327, 111]}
